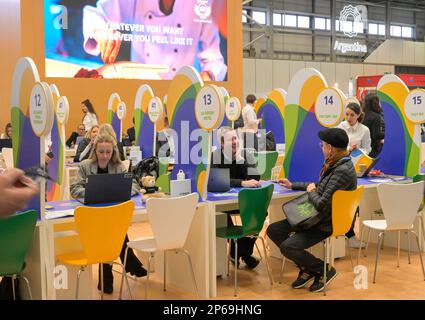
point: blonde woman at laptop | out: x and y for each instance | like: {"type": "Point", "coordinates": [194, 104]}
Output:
{"type": "Point", "coordinates": [105, 159]}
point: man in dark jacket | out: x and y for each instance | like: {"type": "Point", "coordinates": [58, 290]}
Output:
{"type": "Point", "coordinates": [243, 173]}
{"type": "Point", "coordinates": [337, 174]}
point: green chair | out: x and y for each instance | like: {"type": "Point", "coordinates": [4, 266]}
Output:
{"type": "Point", "coordinates": [253, 206]}
{"type": "Point", "coordinates": [17, 232]}
{"type": "Point", "coordinates": [164, 176]}
{"type": "Point", "coordinates": [269, 157]}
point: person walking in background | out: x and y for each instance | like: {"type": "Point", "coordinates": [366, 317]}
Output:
{"type": "Point", "coordinates": [90, 116]}
{"type": "Point", "coordinates": [251, 123]}
{"type": "Point", "coordinates": [374, 120]}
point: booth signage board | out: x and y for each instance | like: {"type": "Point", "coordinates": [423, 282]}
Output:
{"type": "Point", "coordinates": [155, 109]}
{"type": "Point", "coordinates": [414, 106]}
{"type": "Point", "coordinates": [121, 110]}
{"type": "Point", "coordinates": [39, 110]}
{"type": "Point", "coordinates": [62, 110]}
{"type": "Point", "coordinates": [329, 107]}
{"type": "Point", "coordinates": [209, 108]}
{"type": "Point", "coordinates": [233, 109]}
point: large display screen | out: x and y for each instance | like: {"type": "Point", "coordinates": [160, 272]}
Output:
{"type": "Point", "coordinates": [135, 39]}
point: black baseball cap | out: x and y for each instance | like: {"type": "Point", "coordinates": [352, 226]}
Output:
{"type": "Point", "coordinates": [336, 137]}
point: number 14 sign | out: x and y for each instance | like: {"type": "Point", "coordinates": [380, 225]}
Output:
{"type": "Point", "coordinates": [329, 107]}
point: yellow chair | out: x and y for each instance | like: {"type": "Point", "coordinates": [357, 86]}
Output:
{"type": "Point", "coordinates": [344, 206]}
{"type": "Point", "coordinates": [102, 233]}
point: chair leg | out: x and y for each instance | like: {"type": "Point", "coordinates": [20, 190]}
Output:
{"type": "Point", "coordinates": [228, 258]}
{"type": "Point", "coordinates": [408, 247]}
{"type": "Point", "coordinates": [28, 286]}
{"type": "Point", "coordinates": [367, 243]}
{"type": "Point", "coordinates": [267, 262]}
{"type": "Point", "coordinates": [123, 273]}
{"type": "Point", "coordinates": [381, 234]}
{"type": "Point", "coordinates": [349, 249]}
{"type": "Point", "coordinates": [420, 253]}
{"type": "Point", "coordinates": [361, 243]}
{"type": "Point", "coordinates": [147, 276]}
{"type": "Point", "coordinates": [13, 288]}
{"type": "Point", "coordinates": [421, 225]}
{"type": "Point", "coordinates": [398, 249]}
{"type": "Point", "coordinates": [258, 249]}
{"type": "Point", "coordinates": [78, 282]}
{"type": "Point", "coordinates": [236, 268]}
{"type": "Point", "coordinates": [192, 270]}
{"type": "Point", "coordinates": [165, 270]}
{"type": "Point", "coordinates": [124, 276]}
{"type": "Point", "coordinates": [102, 284]}
{"type": "Point", "coordinates": [281, 269]}
{"type": "Point", "coordinates": [325, 260]}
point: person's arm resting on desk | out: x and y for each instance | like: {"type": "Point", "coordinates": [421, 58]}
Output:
{"type": "Point", "coordinates": [78, 188]}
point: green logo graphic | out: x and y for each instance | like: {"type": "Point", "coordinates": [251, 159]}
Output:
{"type": "Point", "coordinates": [305, 209]}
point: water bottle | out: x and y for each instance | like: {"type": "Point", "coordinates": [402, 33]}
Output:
{"type": "Point", "coordinates": [181, 175]}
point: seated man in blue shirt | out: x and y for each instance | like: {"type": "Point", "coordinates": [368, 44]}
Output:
{"type": "Point", "coordinates": [243, 173]}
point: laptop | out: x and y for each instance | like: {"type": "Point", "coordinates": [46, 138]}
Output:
{"type": "Point", "coordinates": [364, 170]}
{"type": "Point", "coordinates": [219, 180]}
{"type": "Point", "coordinates": [107, 188]}
{"type": "Point", "coordinates": [5, 143]}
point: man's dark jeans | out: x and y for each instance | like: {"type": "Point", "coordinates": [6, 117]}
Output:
{"type": "Point", "coordinates": [294, 246]}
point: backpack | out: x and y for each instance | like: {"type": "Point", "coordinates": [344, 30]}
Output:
{"type": "Point", "coordinates": [146, 167]}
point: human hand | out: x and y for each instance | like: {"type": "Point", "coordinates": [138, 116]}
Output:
{"type": "Point", "coordinates": [206, 76]}
{"type": "Point", "coordinates": [17, 191]}
{"type": "Point", "coordinates": [251, 184]}
{"type": "Point", "coordinates": [286, 183]}
{"type": "Point", "coordinates": [311, 187]}
{"type": "Point", "coordinates": [109, 43]}
{"type": "Point", "coordinates": [353, 147]}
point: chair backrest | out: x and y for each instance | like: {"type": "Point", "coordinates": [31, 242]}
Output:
{"type": "Point", "coordinates": [170, 219]}
{"type": "Point", "coordinates": [253, 206]}
{"type": "Point", "coordinates": [400, 203]}
{"type": "Point", "coordinates": [419, 177]}
{"type": "Point", "coordinates": [102, 230]}
{"type": "Point", "coordinates": [269, 157]}
{"type": "Point", "coordinates": [163, 182]}
{"type": "Point", "coordinates": [8, 157]}
{"type": "Point", "coordinates": [344, 205]}
{"type": "Point", "coordinates": [16, 234]}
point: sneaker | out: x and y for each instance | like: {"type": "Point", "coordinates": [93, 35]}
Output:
{"type": "Point", "coordinates": [318, 284]}
{"type": "Point", "coordinates": [303, 279]}
{"type": "Point", "coordinates": [354, 243]}
{"type": "Point", "coordinates": [251, 262]}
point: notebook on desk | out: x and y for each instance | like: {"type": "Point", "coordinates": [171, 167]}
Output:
{"type": "Point", "coordinates": [365, 169]}
{"type": "Point", "coordinates": [107, 188]}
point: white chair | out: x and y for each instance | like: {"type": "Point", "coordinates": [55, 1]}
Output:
{"type": "Point", "coordinates": [8, 157]}
{"type": "Point", "coordinates": [400, 203]}
{"type": "Point", "coordinates": [170, 228]}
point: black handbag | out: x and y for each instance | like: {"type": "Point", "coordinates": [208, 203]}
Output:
{"type": "Point", "coordinates": [301, 213]}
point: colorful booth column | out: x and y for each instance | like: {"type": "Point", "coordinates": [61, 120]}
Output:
{"type": "Point", "coordinates": [143, 125]}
